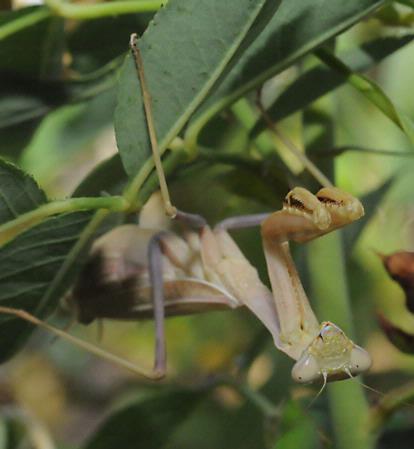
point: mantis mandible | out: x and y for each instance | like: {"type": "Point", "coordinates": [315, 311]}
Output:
{"type": "Point", "coordinates": [136, 273]}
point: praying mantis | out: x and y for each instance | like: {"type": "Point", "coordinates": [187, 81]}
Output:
{"type": "Point", "coordinates": [139, 273]}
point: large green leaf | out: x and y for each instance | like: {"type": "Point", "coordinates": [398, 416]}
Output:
{"type": "Point", "coordinates": [320, 80]}
{"type": "Point", "coordinates": [298, 27]}
{"type": "Point", "coordinates": [148, 423]}
{"type": "Point", "coordinates": [19, 192]}
{"type": "Point", "coordinates": [29, 266]}
{"type": "Point", "coordinates": [185, 50]}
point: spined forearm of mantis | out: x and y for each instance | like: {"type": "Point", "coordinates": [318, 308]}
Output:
{"type": "Point", "coordinates": [138, 273]}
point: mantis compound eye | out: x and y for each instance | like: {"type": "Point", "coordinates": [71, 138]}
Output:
{"type": "Point", "coordinates": [344, 204]}
{"type": "Point", "coordinates": [360, 360]}
{"type": "Point", "coordinates": [306, 369]}
{"type": "Point", "coordinates": [302, 202]}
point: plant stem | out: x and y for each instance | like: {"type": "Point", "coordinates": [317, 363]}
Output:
{"type": "Point", "coordinates": [349, 409]}
{"type": "Point", "coordinates": [21, 23]}
{"type": "Point", "coordinates": [98, 10]}
{"type": "Point", "coordinates": [11, 228]}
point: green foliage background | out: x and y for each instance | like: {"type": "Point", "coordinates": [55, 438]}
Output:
{"type": "Point", "coordinates": [336, 77]}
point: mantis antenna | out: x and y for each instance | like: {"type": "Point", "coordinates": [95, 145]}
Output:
{"type": "Point", "coordinates": [169, 208]}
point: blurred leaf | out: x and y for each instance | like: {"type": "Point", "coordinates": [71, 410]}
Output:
{"type": "Point", "coordinates": [318, 134]}
{"type": "Point", "coordinates": [89, 53]}
{"type": "Point", "coordinates": [219, 425]}
{"type": "Point", "coordinates": [30, 59]}
{"type": "Point", "coordinates": [109, 177]}
{"type": "Point", "coordinates": [19, 192]}
{"type": "Point", "coordinates": [30, 275]}
{"type": "Point", "coordinates": [149, 423]}
{"type": "Point", "coordinates": [66, 131]}
{"type": "Point", "coordinates": [401, 438]}
{"type": "Point", "coordinates": [3, 434]}
{"type": "Point", "coordinates": [297, 430]}
{"type": "Point", "coordinates": [390, 403]}
{"type": "Point", "coordinates": [296, 29]}
{"type": "Point", "coordinates": [371, 92]}
{"type": "Point", "coordinates": [320, 80]}
{"type": "Point", "coordinates": [371, 202]}
{"type": "Point", "coordinates": [28, 93]}
{"type": "Point", "coordinates": [180, 68]}
{"type": "Point", "coordinates": [400, 266]}
{"type": "Point", "coordinates": [399, 338]}
{"type": "Point", "coordinates": [250, 185]}
{"type": "Point", "coordinates": [25, 51]}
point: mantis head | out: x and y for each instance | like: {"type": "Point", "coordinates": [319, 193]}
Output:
{"type": "Point", "coordinates": [329, 209]}
{"type": "Point", "coordinates": [330, 356]}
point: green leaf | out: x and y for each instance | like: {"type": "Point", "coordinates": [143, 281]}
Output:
{"type": "Point", "coordinates": [89, 53]}
{"type": "Point", "coordinates": [19, 192]}
{"type": "Point", "coordinates": [297, 429]}
{"type": "Point", "coordinates": [148, 423]}
{"type": "Point", "coordinates": [320, 80]}
{"type": "Point", "coordinates": [32, 38]}
{"type": "Point", "coordinates": [32, 84]}
{"type": "Point", "coordinates": [296, 29]}
{"type": "Point", "coordinates": [109, 177]}
{"type": "Point", "coordinates": [29, 265]}
{"type": "Point", "coordinates": [180, 68]}
{"type": "Point", "coordinates": [371, 92]}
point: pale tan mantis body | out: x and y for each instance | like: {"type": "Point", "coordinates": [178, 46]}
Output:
{"type": "Point", "coordinates": [136, 273]}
